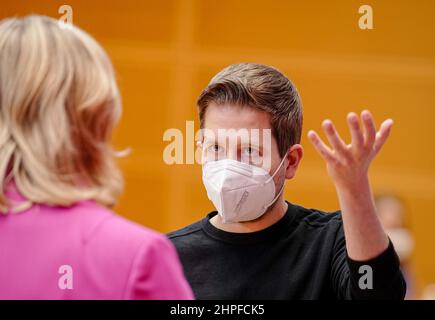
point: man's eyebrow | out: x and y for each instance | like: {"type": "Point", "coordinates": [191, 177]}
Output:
{"type": "Point", "coordinates": [208, 139]}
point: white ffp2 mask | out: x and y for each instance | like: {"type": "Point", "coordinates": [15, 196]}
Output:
{"type": "Point", "coordinates": [239, 191]}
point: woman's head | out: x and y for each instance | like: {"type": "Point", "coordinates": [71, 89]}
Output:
{"type": "Point", "coordinates": [59, 102]}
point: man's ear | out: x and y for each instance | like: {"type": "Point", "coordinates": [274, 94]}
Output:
{"type": "Point", "coordinates": [294, 157]}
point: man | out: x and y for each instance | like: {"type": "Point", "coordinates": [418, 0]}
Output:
{"type": "Point", "coordinates": [259, 246]}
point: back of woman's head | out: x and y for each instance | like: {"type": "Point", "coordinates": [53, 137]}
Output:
{"type": "Point", "coordinates": [59, 102]}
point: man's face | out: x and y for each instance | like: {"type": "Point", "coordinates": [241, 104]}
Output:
{"type": "Point", "coordinates": [243, 134]}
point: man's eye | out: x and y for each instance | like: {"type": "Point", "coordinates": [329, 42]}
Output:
{"type": "Point", "coordinates": [249, 151]}
{"type": "Point", "coordinates": [215, 148]}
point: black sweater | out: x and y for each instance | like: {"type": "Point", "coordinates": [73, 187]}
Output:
{"type": "Point", "coordinates": [302, 256]}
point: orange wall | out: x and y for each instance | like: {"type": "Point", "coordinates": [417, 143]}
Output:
{"type": "Point", "coordinates": [166, 51]}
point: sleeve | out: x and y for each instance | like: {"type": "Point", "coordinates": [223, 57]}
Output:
{"type": "Point", "coordinates": [374, 279]}
{"type": "Point", "coordinates": [156, 273]}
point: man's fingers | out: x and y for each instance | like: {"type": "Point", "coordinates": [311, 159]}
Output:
{"type": "Point", "coordinates": [333, 137]}
{"type": "Point", "coordinates": [368, 139]}
{"type": "Point", "coordinates": [355, 130]}
{"type": "Point", "coordinates": [369, 128]}
{"type": "Point", "coordinates": [382, 135]}
{"type": "Point", "coordinates": [320, 146]}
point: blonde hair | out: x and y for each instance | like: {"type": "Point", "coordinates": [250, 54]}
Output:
{"type": "Point", "coordinates": [59, 103]}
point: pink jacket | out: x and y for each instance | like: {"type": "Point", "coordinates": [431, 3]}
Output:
{"type": "Point", "coordinates": [84, 252]}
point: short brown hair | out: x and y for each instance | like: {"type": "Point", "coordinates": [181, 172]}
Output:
{"type": "Point", "coordinates": [262, 87]}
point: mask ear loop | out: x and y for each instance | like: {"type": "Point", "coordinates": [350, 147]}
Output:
{"type": "Point", "coordinates": [279, 167]}
{"type": "Point", "coordinates": [282, 188]}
